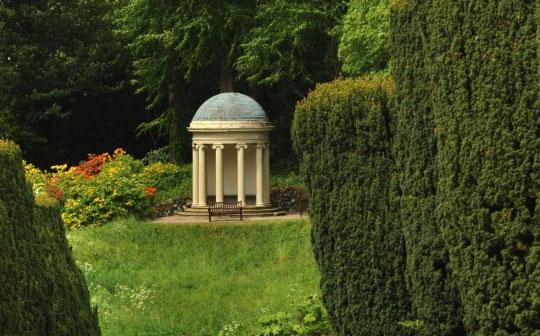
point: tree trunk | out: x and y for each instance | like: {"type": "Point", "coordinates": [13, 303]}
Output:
{"type": "Point", "coordinates": [174, 129]}
{"type": "Point", "coordinates": [226, 82]}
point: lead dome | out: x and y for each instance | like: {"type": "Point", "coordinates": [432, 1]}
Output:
{"type": "Point", "coordinates": [230, 106]}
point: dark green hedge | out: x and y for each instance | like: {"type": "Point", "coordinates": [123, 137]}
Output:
{"type": "Point", "coordinates": [42, 292]}
{"type": "Point", "coordinates": [341, 131]}
{"type": "Point", "coordinates": [486, 99]}
{"type": "Point", "coordinates": [468, 69]}
{"type": "Point", "coordinates": [434, 296]}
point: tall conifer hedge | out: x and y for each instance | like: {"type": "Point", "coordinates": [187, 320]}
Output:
{"type": "Point", "coordinates": [342, 132]}
{"type": "Point", "coordinates": [474, 66]}
{"type": "Point", "coordinates": [42, 292]}
{"type": "Point", "coordinates": [434, 296]}
{"type": "Point", "coordinates": [486, 99]}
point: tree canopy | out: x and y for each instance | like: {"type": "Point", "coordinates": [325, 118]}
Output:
{"type": "Point", "coordinates": [365, 44]}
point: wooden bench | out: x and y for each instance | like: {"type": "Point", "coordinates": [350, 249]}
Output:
{"type": "Point", "coordinates": [224, 209]}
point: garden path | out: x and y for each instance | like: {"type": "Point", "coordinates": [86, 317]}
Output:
{"type": "Point", "coordinates": [223, 220]}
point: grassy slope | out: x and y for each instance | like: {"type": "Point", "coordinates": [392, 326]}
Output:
{"type": "Point", "coordinates": [150, 279]}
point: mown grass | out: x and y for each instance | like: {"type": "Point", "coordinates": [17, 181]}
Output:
{"type": "Point", "coordinates": [150, 279]}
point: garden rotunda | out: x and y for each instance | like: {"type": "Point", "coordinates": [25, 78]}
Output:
{"type": "Point", "coordinates": [231, 160]}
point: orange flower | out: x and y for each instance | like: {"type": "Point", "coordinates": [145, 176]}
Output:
{"type": "Point", "coordinates": [151, 191]}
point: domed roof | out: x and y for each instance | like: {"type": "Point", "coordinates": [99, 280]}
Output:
{"type": "Point", "coordinates": [230, 106]}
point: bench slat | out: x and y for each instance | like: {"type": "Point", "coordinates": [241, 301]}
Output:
{"type": "Point", "coordinates": [220, 208]}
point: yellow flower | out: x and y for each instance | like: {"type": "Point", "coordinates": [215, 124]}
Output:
{"type": "Point", "coordinates": [60, 168]}
{"type": "Point", "coordinates": [119, 152]}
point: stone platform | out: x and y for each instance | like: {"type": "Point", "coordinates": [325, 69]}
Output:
{"type": "Point", "coordinates": [248, 211]}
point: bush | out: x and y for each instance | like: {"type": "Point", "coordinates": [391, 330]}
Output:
{"type": "Point", "coordinates": [310, 319]}
{"type": "Point", "coordinates": [160, 155]}
{"type": "Point", "coordinates": [41, 290]}
{"type": "Point", "coordinates": [433, 291]}
{"type": "Point", "coordinates": [117, 191]}
{"type": "Point", "coordinates": [342, 133]}
{"type": "Point", "coordinates": [106, 187]}
{"type": "Point", "coordinates": [287, 189]}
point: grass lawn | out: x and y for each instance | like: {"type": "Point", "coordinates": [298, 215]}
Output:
{"type": "Point", "coordinates": [150, 279]}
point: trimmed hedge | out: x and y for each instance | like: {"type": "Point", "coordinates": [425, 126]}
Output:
{"type": "Point", "coordinates": [42, 291]}
{"type": "Point", "coordinates": [432, 287]}
{"type": "Point", "coordinates": [341, 131]}
{"type": "Point", "coordinates": [485, 64]}
{"type": "Point", "coordinates": [472, 67]}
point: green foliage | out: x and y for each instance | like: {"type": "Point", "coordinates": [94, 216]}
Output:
{"type": "Point", "coordinates": [157, 155]}
{"type": "Point", "coordinates": [186, 51]}
{"type": "Point", "coordinates": [482, 56]}
{"type": "Point", "coordinates": [42, 290]}
{"type": "Point", "coordinates": [106, 187]}
{"type": "Point", "coordinates": [174, 183]}
{"type": "Point", "coordinates": [310, 319]}
{"type": "Point", "coordinates": [342, 132]}
{"type": "Point", "coordinates": [119, 190]}
{"type": "Point", "coordinates": [486, 101]}
{"type": "Point", "coordinates": [365, 43]}
{"type": "Point", "coordinates": [431, 284]}
{"type": "Point", "coordinates": [53, 74]}
{"type": "Point", "coordinates": [153, 279]}
{"type": "Point", "coordinates": [284, 179]}
{"type": "Point", "coordinates": [419, 327]}
{"type": "Point", "coordinates": [279, 48]}
{"type": "Point", "coordinates": [182, 52]}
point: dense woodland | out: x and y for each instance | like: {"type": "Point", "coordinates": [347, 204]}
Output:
{"type": "Point", "coordinates": [82, 77]}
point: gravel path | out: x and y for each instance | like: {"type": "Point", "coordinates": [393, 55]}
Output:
{"type": "Point", "coordinates": [223, 220]}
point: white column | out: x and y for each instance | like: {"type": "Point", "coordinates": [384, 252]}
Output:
{"type": "Point", "coordinates": [267, 175]}
{"type": "Point", "coordinates": [259, 196]}
{"type": "Point", "coordinates": [241, 186]}
{"type": "Point", "coordinates": [219, 171]}
{"type": "Point", "coordinates": [202, 176]}
{"type": "Point", "coordinates": [195, 176]}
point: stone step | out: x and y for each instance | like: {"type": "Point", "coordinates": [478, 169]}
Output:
{"type": "Point", "coordinates": [249, 214]}
{"type": "Point", "coordinates": [244, 210]}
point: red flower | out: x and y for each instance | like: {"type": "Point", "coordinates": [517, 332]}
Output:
{"type": "Point", "coordinates": [93, 165]}
{"type": "Point", "coordinates": [55, 192]}
{"type": "Point", "coordinates": [151, 191]}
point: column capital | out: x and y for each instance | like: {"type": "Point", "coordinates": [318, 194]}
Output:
{"type": "Point", "coordinates": [194, 146]}
{"type": "Point", "coordinates": [261, 145]}
{"type": "Point", "coordinates": [241, 146]}
{"type": "Point", "coordinates": [218, 146]}
{"type": "Point", "coordinates": [201, 146]}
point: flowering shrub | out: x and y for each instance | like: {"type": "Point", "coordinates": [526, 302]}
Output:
{"type": "Point", "coordinates": [105, 187]}
{"type": "Point", "coordinates": [36, 178]}
{"type": "Point", "coordinates": [93, 166]}
{"type": "Point", "coordinates": [116, 191]}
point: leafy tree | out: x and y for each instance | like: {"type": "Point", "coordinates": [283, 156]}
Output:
{"type": "Point", "coordinates": [288, 42]}
{"type": "Point", "coordinates": [60, 60]}
{"type": "Point", "coordinates": [182, 50]}
{"type": "Point", "coordinates": [185, 51]}
{"type": "Point", "coordinates": [365, 44]}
